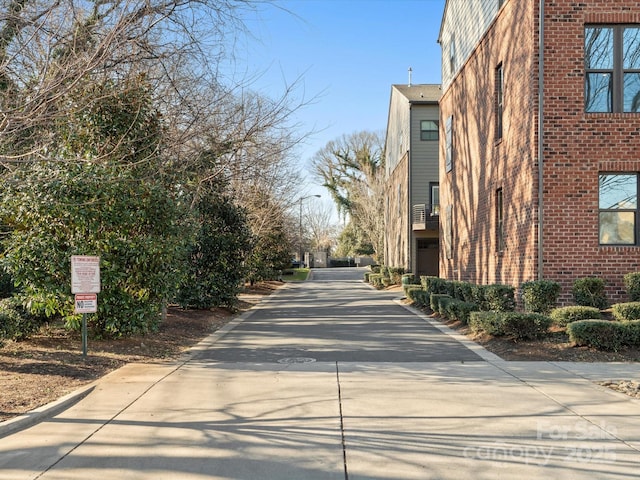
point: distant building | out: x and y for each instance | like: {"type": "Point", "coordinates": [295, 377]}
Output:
{"type": "Point", "coordinates": [412, 193]}
{"type": "Point", "coordinates": [540, 150]}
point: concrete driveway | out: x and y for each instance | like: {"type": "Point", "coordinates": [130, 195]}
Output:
{"type": "Point", "coordinates": [331, 379]}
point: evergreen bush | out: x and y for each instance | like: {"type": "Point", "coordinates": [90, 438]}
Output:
{"type": "Point", "coordinates": [600, 334]}
{"type": "Point", "coordinates": [525, 326]}
{"type": "Point", "coordinates": [540, 296]}
{"type": "Point", "coordinates": [435, 301]}
{"type": "Point", "coordinates": [632, 284]}
{"type": "Point", "coordinates": [499, 298]}
{"type": "Point", "coordinates": [487, 322]}
{"type": "Point", "coordinates": [626, 311]}
{"type": "Point", "coordinates": [565, 315]}
{"type": "Point", "coordinates": [589, 292]}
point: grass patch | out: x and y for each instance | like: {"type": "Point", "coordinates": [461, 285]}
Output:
{"type": "Point", "coordinates": [295, 275]}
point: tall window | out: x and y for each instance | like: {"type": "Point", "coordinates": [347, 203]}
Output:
{"type": "Point", "coordinates": [448, 232]}
{"type": "Point", "coordinates": [429, 130]}
{"type": "Point", "coordinates": [499, 220]}
{"type": "Point", "coordinates": [435, 198]}
{"type": "Point", "coordinates": [449, 144]}
{"type": "Point", "coordinates": [618, 203]}
{"type": "Point", "coordinates": [612, 68]}
{"type": "Point", "coordinates": [499, 100]}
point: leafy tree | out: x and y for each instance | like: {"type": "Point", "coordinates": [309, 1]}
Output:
{"type": "Point", "coordinates": [98, 192]}
{"type": "Point", "coordinates": [216, 259]}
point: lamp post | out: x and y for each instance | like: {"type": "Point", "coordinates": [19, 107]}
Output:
{"type": "Point", "coordinates": [300, 200]}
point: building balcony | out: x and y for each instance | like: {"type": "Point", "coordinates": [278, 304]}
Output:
{"type": "Point", "coordinates": [425, 217]}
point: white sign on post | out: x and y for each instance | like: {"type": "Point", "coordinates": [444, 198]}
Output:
{"type": "Point", "coordinates": [85, 274]}
{"type": "Point", "coordinates": [86, 303]}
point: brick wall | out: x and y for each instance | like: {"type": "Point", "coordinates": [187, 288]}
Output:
{"type": "Point", "coordinates": [396, 224]}
{"type": "Point", "coordinates": [577, 146]}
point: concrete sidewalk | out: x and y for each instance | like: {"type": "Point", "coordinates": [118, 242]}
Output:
{"type": "Point", "coordinates": [203, 418]}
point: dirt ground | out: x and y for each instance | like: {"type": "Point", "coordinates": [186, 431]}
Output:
{"type": "Point", "coordinates": [49, 365]}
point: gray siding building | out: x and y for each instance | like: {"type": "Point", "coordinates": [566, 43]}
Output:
{"type": "Point", "coordinates": [412, 190]}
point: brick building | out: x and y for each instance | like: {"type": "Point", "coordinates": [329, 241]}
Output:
{"type": "Point", "coordinates": [540, 148]}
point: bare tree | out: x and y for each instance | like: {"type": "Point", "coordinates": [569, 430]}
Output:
{"type": "Point", "coordinates": [352, 170]}
{"type": "Point", "coordinates": [318, 220]}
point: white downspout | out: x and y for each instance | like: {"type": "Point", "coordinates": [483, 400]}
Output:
{"type": "Point", "coordinates": [540, 139]}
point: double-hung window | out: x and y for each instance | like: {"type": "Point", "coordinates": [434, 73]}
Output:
{"type": "Point", "coordinates": [618, 208]}
{"type": "Point", "coordinates": [429, 129]}
{"type": "Point", "coordinates": [612, 68]}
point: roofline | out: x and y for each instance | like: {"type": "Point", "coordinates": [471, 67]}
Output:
{"type": "Point", "coordinates": [444, 14]}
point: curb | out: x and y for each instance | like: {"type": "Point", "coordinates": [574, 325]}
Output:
{"type": "Point", "coordinates": [39, 414]}
{"type": "Point", "coordinates": [471, 345]}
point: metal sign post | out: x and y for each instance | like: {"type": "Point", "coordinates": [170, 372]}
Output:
{"type": "Point", "coordinates": [85, 284]}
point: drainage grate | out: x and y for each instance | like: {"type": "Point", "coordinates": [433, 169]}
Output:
{"type": "Point", "coordinates": [296, 360]}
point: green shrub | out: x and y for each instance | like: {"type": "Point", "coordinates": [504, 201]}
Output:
{"type": "Point", "coordinates": [435, 300]}
{"type": "Point", "coordinates": [15, 322]}
{"type": "Point", "coordinates": [375, 268]}
{"type": "Point", "coordinates": [366, 276]}
{"type": "Point", "coordinates": [540, 296]}
{"type": "Point", "coordinates": [459, 310]}
{"type": "Point", "coordinates": [590, 292]}
{"type": "Point", "coordinates": [408, 279]}
{"type": "Point", "coordinates": [395, 273]}
{"type": "Point", "coordinates": [487, 322]}
{"type": "Point", "coordinates": [376, 280]}
{"type": "Point", "coordinates": [632, 284]}
{"type": "Point", "coordinates": [421, 298]}
{"type": "Point", "coordinates": [499, 298]}
{"type": "Point", "coordinates": [564, 315]}
{"type": "Point", "coordinates": [479, 298]}
{"type": "Point", "coordinates": [626, 311]}
{"type": "Point", "coordinates": [525, 326]}
{"type": "Point", "coordinates": [462, 291]}
{"type": "Point", "coordinates": [632, 333]}
{"type": "Point", "coordinates": [599, 334]}
{"type": "Point", "coordinates": [410, 291]}
{"type": "Point", "coordinates": [434, 284]}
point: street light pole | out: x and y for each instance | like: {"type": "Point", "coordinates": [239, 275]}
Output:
{"type": "Point", "coordinates": [300, 200]}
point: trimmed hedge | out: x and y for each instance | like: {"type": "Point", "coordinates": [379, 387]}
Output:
{"type": "Point", "coordinates": [589, 292]}
{"type": "Point", "coordinates": [435, 285]}
{"type": "Point", "coordinates": [376, 279]}
{"type": "Point", "coordinates": [410, 290]}
{"type": "Point", "coordinates": [626, 311]}
{"type": "Point", "coordinates": [438, 301]}
{"type": "Point", "coordinates": [515, 325]}
{"type": "Point", "coordinates": [487, 322]}
{"type": "Point", "coordinates": [565, 315]}
{"type": "Point", "coordinates": [632, 284]}
{"type": "Point", "coordinates": [422, 299]}
{"type": "Point", "coordinates": [600, 334]}
{"type": "Point", "coordinates": [459, 310]}
{"type": "Point", "coordinates": [525, 326]}
{"type": "Point", "coordinates": [632, 333]}
{"type": "Point", "coordinates": [499, 298]}
{"type": "Point", "coordinates": [540, 296]}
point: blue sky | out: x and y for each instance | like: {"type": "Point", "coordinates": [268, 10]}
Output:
{"type": "Point", "coordinates": [347, 54]}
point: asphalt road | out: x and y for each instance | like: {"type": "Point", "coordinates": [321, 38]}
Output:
{"type": "Point", "coordinates": [335, 317]}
